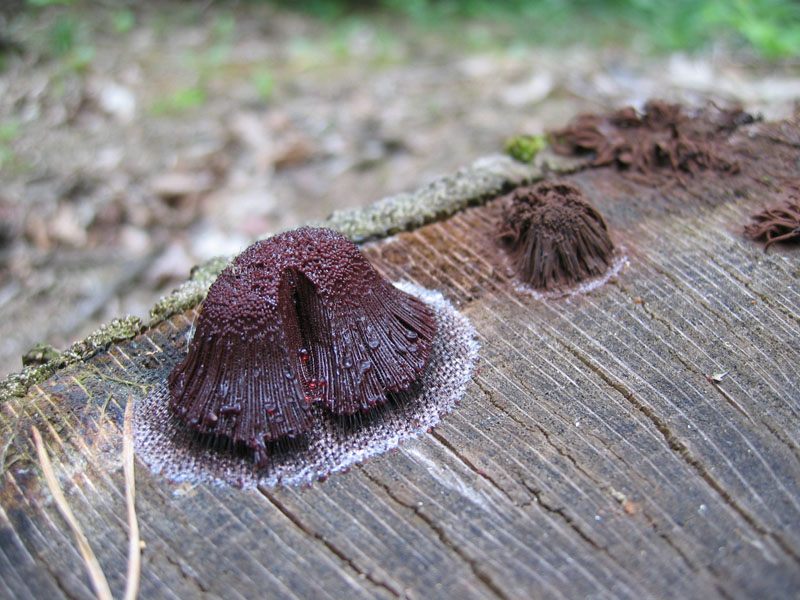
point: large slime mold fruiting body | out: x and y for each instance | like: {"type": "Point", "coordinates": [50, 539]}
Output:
{"type": "Point", "coordinates": [295, 319]}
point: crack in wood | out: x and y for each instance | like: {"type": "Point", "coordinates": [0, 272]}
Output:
{"type": "Point", "coordinates": [789, 443]}
{"type": "Point", "coordinates": [689, 366]}
{"type": "Point", "coordinates": [473, 564]}
{"type": "Point", "coordinates": [191, 577]}
{"type": "Point", "coordinates": [681, 449]}
{"type": "Point", "coordinates": [337, 552]}
{"type": "Point", "coordinates": [730, 400]}
{"type": "Point", "coordinates": [718, 586]}
{"type": "Point", "coordinates": [533, 427]}
{"type": "Point", "coordinates": [468, 463]}
{"type": "Point", "coordinates": [692, 368]}
{"type": "Point", "coordinates": [656, 528]}
{"type": "Point", "coordinates": [562, 513]}
{"type": "Point", "coordinates": [767, 299]}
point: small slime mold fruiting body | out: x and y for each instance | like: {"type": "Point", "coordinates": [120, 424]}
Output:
{"type": "Point", "coordinates": [554, 237]}
{"type": "Point", "coordinates": [659, 145]}
{"type": "Point", "coordinates": [297, 319]}
{"type": "Point", "coordinates": [778, 223]}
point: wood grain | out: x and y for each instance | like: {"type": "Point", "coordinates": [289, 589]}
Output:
{"type": "Point", "coordinates": [592, 455]}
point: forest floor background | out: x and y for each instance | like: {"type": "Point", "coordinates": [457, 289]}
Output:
{"type": "Point", "coordinates": [137, 140]}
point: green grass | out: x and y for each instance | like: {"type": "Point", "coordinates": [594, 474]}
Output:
{"type": "Point", "coordinates": [769, 28]}
{"type": "Point", "coordinates": [48, 2]}
{"type": "Point", "coordinates": [180, 100]}
{"type": "Point", "coordinates": [67, 40]}
{"type": "Point", "coordinates": [62, 35]}
{"type": "Point", "coordinates": [9, 132]}
{"type": "Point", "coordinates": [123, 20]}
{"type": "Point", "coordinates": [263, 82]}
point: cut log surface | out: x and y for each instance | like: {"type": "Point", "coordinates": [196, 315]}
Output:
{"type": "Point", "coordinates": [636, 441]}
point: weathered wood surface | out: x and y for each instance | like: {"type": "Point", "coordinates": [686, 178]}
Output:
{"type": "Point", "coordinates": [591, 456]}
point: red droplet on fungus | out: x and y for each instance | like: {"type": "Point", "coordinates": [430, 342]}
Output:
{"type": "Point", "coordinates": [555, 238]}
{"type": "Point", "coordinates": [289, 313]}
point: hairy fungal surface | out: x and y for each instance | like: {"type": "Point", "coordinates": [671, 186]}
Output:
{"type": "Point", "coordinates": [779, 223]}
{"type": "Point", "coordinates": [555, 238]}
{"type": "Point", "coordinates": [661, 144]}
{"type": "Point", "coordinates": [298, 319]}
{"type": "Point", "coordinates": [333, 442]}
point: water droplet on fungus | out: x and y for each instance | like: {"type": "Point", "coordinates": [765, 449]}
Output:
{"type": "Point", "coordinates": [320, 300]}
{"type": "Point", "coordinates": [555, 238]}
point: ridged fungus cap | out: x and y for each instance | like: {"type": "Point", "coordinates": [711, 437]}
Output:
{"type": "Point", "coordinates": [299, 318]}
{"type": "Point", "coordinates": [554, 237]}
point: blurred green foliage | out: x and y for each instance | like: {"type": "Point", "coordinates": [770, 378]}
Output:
{"type": "Point", "coordinates": [48, 2]}
{"type": "Point", "coordinates": [264, 83]}
{"type": "Point", "coordinates": [62, 35]}
{"type": "Point", "coordinates": [770, 27]}
{"type": "Point", "coordinates": [123, 20]}
{"type": "Point", "coordinates": [180, 100]}
{"type": "Point", "coordinates": [67, 40]}
{"type": "Point", "coordinates": [9, 131]}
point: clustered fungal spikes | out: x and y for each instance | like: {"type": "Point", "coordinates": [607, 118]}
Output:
{"type": "Point", "coordinates": [299, 318]}
{"type": "Point", "coordinates": [555, 238]}
{"type": "Point", "coordinates": [779, 223]}
{"type": "Point", "coordinates": [662, 140]}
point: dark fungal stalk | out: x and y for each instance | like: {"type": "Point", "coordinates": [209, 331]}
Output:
{"type": "Point", "coordinates": [554, 237]}
{"type": "Point", "coordinates": [299, 318]}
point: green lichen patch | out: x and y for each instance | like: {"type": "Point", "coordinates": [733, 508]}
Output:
{"type": "Point", "coordinates": [17, 384]}
{"type": "Point", "coordinates": [190, 293]}
{"type": "Point", "coordinates": [40, 354]}
{"type": "Point", "coordinates": [484, 179]}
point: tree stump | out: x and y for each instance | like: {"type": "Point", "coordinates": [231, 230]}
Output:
{"type": "Point", "coordinates": [636, 441]}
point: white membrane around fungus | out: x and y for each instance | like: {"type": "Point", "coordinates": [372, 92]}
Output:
{"type": "Point", "coordinates": [619, 261]}
{"type": "Point", "coordinates": [335, 443]}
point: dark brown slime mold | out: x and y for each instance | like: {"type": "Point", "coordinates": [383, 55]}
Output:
{"type": "Point", "coordinates": [299, 318]}
{"type": "Point", "coordinates": [555, 238]}
{"type": "Point", "coordinates": [660, 144]}
{"type": "Point", "coordinates": [779, 223]}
